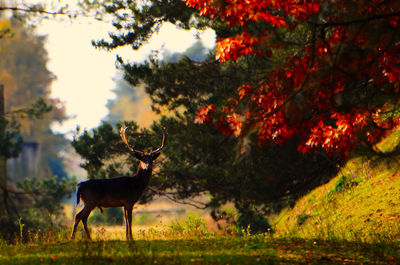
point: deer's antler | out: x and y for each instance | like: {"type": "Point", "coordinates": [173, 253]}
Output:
{"type": "Point", "coordinates": [122, 133]}
{"type": "Point", "coordinates": [163, 141]}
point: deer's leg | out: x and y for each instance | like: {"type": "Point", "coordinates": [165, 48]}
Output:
{"type": "Point", "coordinates": [126, 222]}
{"type": "Point", "coordinates": [129, 221]}
{"type": "Point", "coordinates": [78, 218]}
{"type": "Point", "coordinates": [85, 215]}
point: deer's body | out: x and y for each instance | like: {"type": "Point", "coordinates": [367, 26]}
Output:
{"type": "Point", "coordinates": [116, 192]}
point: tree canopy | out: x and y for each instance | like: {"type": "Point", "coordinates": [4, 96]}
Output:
{"type": "Point", "coordinates": [326, 72]}
{"type": "Point", "coordinates": [337, 88]}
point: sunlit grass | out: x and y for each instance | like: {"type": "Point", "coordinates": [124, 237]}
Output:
{"type": "Point", "coordinates": [361, 204]}
{"type": "Point", "coordinates": [189, 242]}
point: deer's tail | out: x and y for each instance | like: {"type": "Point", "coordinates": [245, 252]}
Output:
{"type": "Point", "coordinates": [78, 194]}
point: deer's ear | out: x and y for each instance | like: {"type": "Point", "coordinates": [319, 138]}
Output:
{"type": "Point", "coordinates": [154, 156]}
{"type": "Point", "coordinates": [138, 155]}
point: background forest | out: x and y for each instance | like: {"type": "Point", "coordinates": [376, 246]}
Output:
{"type": "Point", "coordinates": [33, 181]}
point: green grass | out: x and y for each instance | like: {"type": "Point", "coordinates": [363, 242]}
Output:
{"type": "Point", "coordinates": [206, 250]}
{"type": "Point", "coordinates": [189, 242]}
{"type": "Point", "coordinates": [361, 204]}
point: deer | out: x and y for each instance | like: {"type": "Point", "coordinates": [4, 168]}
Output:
{"type": "Point", "coordinates": [117, 192]}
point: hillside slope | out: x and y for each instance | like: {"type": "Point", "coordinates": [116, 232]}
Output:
{"type": "Point", "coordinates": [362, 203]}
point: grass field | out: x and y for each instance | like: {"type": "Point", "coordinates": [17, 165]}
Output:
{"type": "Point", "coordinates": [189, 241]}
{"type": "Point", "coordinates": [210, 249]}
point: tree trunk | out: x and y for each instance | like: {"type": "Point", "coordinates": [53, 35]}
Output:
{"type": "Point", "coordinates": [3, 161]}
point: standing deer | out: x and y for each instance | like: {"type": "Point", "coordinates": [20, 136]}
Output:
{"type": "Point", "coordinates": [117, 192]}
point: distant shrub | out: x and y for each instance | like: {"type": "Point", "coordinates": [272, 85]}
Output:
{"type": "Point", "coordinates": [253, 221]}
{"type": "Point", "coordinates": [193, 225]}
{"type": "Point", "coordinates": [111, 216]}
{"type": "Point", "coordinates": [144, 218]}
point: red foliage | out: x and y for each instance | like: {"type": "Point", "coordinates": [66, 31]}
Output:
{"type": "Point", "coordinates": [233, 47]}
{"type": "Point", "coordinates": [204, 114]}
{"type": "Point", "coordinates": [338, 90]}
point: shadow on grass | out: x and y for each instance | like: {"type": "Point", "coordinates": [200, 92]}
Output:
{"type": "Point", "coordinates": [204, 259]}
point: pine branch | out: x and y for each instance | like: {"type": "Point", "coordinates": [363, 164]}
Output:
{"type": "Point", "coordinates": [31, 10]}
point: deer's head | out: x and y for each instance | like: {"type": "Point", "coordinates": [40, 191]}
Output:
{"type": "Point", "coordinates": [146, 159]}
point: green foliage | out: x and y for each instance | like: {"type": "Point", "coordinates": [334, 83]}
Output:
{"type": "Point", "coordinates": [340, 184]}
{"type": "Point", "coordinates": [39, 208]}
{"type": "Point", "coordinates": [47, 194]}
{"type": "Point", "coordinates": [45, 199]}
{"type": "Point", "coordinates": [345, 182]}
{"type": "Point", "coordinates": [205, 82]}
{"type": "Point", "coordinates": [202, 160]}
{"type": "Point", "coordinates": [103, 144]}
{"type": "Point", "coordinates": [144, 20]}
{"type": "Point", "coordinates": [111, 216]}
{"type": "Point", "coordinates": [38, 109]}
{"type": "Point", "coordinates": [144, 218]}
{"type": "Point", "coordinates": [252, 219]}
{"type": "Point", "coordinates": [256, 177]}
{"type": "Point", "coordinates": [10, 138]}
{"type": "Point", "coordinates": [193, 227]}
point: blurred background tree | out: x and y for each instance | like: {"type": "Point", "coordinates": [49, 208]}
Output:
{"type": "Point", "coordinates": [26, 78]}
{"type": "Point", "coordinates": [35, 181]}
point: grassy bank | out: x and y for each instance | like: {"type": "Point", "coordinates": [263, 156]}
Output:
{"type": "Point", "coordinates": [361, 204]}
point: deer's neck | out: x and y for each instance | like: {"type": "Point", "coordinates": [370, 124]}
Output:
{"type": "Point", "coordinates": [144, 172]}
